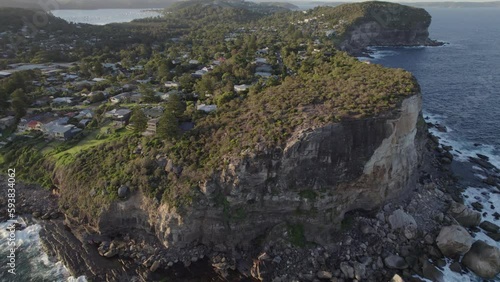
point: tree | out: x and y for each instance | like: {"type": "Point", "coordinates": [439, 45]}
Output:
{"type": "Point", "coordinates": [175, 105]}
{"type": "Point", "coordinates": [19, 103]}
{"type": "Point", "coordinates": [168, 126]}
{"type": "Point", "coordinates": [148, 95]}
{"type": "Point", "coordinates": [139, 120]}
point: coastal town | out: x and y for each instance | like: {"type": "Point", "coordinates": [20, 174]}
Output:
{"type": "Point", "coordinates": [82, 100]}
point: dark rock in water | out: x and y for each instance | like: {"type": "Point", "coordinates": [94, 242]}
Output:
{"type": "Point", "coordinates": [477, 206]}
{"type": "Point", "coordinates": [434, 139]}
{"type": "Point", "coordinates": [447, 148]}
{"type": "Point", "coordinates": [489, 226]}
{"type": "Point", "coordinates": [494, 236]}
{"type": "Point", "coordinates": [441, 128]}
{"type": "Point", "coordinates": [496, 215]}
{"type": "Point", "coordinates": [483, 157]}
{"type": "Point", "coordinates": [483, 163]}
{"type": "Point", "coordinates": [483, 259]}
{"type": "Point", "coordinates": [431, 272]}
{"type": "Point", "coordinates": [448, 155]}
{"type": "Point", "coordinates": [395, 262]}
{"type": "Point", "coordinates": [477, 144]}
{"type": "Point", "coordinates": [430, 124]}
{"type": "Point", "coordinates": [123, 191]}
{"type": "Point", "coordinates": [456, 267]}
{"type": "Point", "coordinates": [490, 180]}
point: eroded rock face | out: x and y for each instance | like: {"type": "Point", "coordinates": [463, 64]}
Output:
{"type": "Point", "coordinates": [321, 174]}
{"type": "Point", "coordinates": [374, 33]}
{"type": "Point", "coordinates": [483, 259]}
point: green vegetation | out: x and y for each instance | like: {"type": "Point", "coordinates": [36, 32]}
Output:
{"type": "Point", "coordinates": [308, 194]}
{"type": "Point", "coordinates": [310, 85]}
{"type": "Point", "coordinates": [296, 234]}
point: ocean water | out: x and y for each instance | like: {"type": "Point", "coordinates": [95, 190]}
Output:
{"type": "Point", "coordinates": [103, 16]}
{"type": "Point", "coordinates": [461, 90]}
{"type": "Point", "coordinates": [32, 264]}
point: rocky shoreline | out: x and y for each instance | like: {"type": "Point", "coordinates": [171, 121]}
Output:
{"type": "Point", "coordinates": [403, 241]}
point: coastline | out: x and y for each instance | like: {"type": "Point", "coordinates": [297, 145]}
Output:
{"type": "Point", "coordinates": [372, 230]}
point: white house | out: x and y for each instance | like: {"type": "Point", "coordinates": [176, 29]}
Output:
{"type": "Point", "coordinates": [242, 87]}
{"type": "Point", "coordinates": [207, 108]}
{"type": "Point", "coordinates": [171, 84]}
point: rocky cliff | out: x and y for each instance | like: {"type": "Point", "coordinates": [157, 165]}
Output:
{"type": "Point", "coordinates": [385, 24]}
{"type": "Point", "coordinates": [321, 174]}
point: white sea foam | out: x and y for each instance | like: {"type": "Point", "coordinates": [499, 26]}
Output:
{"type": "Point", "coordinates": [467, 148]}
{"type": "Point", "coordinates": [30, 251]}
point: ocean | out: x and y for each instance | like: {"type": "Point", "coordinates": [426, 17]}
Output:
{"type": "Point", "coordinates": [103, 16]}
{"type": "Point", "coordinates": [461, 90]}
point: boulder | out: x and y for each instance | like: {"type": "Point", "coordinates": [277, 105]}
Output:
{"type": "Point", "coordinates": [464, 215]}
{"type": "Point", "coordinates": [483, 259]}
{"type": "Point", "coordinates": [155, 266]}
{"type": "Point", "coordinates": [324, 275]}
{"type": "Point", "coordinates": [395, 262]}
{"type": "Point", "coordinates": [396, 278]}
{"type": "Point", "coordinates": [347, 270]}
{"type": "Point", "coordinates": [400, 219]}
{"type": "Point", "coordinates": [431, 272]}
{"type": "Point", "coordinates": [454, 241]}
{"type": "Point", "coordinates": [490, 180]}
{"type": "Point", "coordinates": [494, 236]}
{"type": "Point", "coordinates": [123, 191]}
{"type": "Point", "coordinates": [489, 226]}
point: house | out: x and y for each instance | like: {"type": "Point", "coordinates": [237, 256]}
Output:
{"type": "Point", "coordinates": [127, 97]}
{"type": "Point", "coordinates": [199, 73]}
{"type": "Point", "coordinates": [7, 121]}
{"type": "Point", "coordinates": [264, 68]}
{"type": "Point", "coordinates": [4, 74]}
{"type": "Point", "coordinates": [241, 88]}
{"type": "Point", "coordinates": [69, 77]}
{"type": "Point", "coordinates": [144, 81]}
{"type": "Point", "coordinates": [34, 125]}
{"type": "Point", "coordinates": [166, 96]}
{"type": "Point", "coordinates": [264, 51]}
{"type": "Point", "coordinates": [151, 129]}
{"type": "Point", "coordinates": [84, 114]}
{"type": "Point", "coordinates": [62, 132]}
{"type": "Point", "coordinates": [154, 112]}
{"type": "Point", "coordinates": [43, 101]}
{"type": "Point", "coordinates": [260, 60]}
{"type": "Point", "coordinates": [62, 101]}
{"type": "Point", "coordinates": [119, 114]}
{"type": "Point", "coordinates": [84, 122]}
{"type": "Point", "coordinates": [171, 84]}
{"type": "Point", "coordinates": [263, 74]}
{"type": "Point", "coordinates": [206, 108]}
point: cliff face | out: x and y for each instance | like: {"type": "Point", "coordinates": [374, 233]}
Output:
{"type": "Point", "coordinates": [387, 24]}
{"type": "Point", "coordinates": [320, 175]}
{"type": "Point", "coordinates": [372, 33]}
